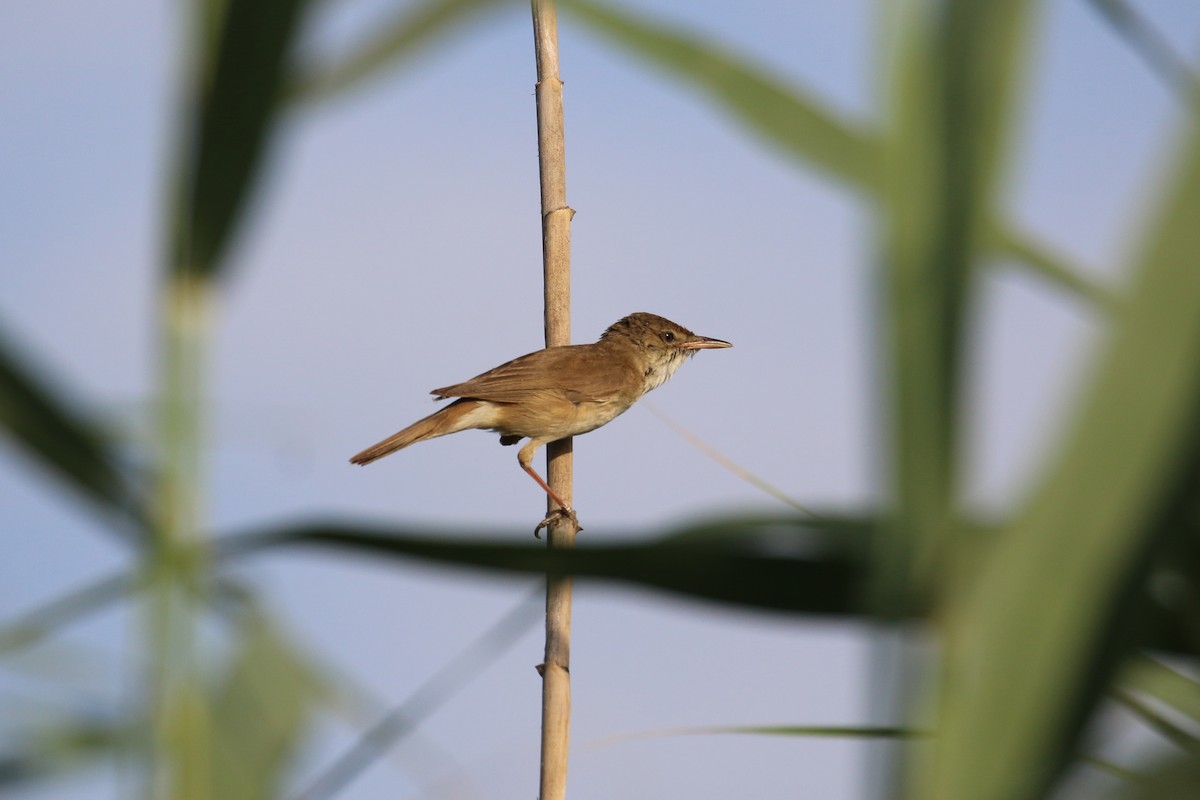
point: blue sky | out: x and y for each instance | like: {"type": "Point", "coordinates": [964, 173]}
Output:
{"type": "Point", "coordinates": [396, 248]}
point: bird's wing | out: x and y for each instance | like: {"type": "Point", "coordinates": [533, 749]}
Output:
{"type": "Point", "coordinates": [577, 373]}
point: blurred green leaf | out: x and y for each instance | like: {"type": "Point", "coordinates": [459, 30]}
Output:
{"type": "Point", "coordinates": [794, 123]}
{"type": "Point", "coordinates": [922, 291]}
{"type": "Point", "coordinates": [1170, 779]}
{"type": "Point", "coordinates": [1038, 259]}
{"type": "Point", "coordinates": [1154, 48]}
{"type": "Point", "coordinates": [60, 746]}
{"type": "Point", "coordinates": [980, 52]}
{"type": "Point", "coordinates": [412, 27]}
{"type": "Point", "coordinates": [793, 564]}
{"type": "Point", "coordinates": [1157, 719]}
{"type": "Point", "coordinates": [42, 423]}
{"type": "Point", "coordinates": [1166, 685]}
{"type": "Point", "coordinates": [781, 563]}
{"type": "Point", "coordinates": [823, 731]}
{"type": "Point", "coordinates": [259, 714]}
{"type": "Point", "coordinates": [444, 684]}
{"type": "Point", "coordinates": [1037, 637]}
{"type": "Point", "coordinates": [33, 626]}
{"type": "Point", "coordinates": [786, 117]}
{"type": "Point", "coordinates": [951, 92]}
{"type": "Point", "coordinates": [238, 92]}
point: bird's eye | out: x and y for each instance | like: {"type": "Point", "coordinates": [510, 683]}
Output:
{"type": "Point", "coordinates": [668, 336]}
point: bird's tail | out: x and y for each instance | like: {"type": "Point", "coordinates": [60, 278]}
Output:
{"type": "Point", "coordinates": [458, 416]}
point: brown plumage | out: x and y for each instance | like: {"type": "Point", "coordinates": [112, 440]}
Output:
{"type": "Point", "coordinates": [559, 391]}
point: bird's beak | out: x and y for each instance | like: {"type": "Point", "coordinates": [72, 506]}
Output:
{"type": "Point", "coordinates": [703, 343]}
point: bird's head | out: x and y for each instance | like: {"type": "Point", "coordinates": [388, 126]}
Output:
{"type": "Point", "coordinates": [662, 345]}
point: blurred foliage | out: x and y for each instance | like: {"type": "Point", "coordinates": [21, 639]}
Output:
{"type": "Point", "coordinates": [1083, 599]}
{"type": "Point", "coordinates": [62, 440]}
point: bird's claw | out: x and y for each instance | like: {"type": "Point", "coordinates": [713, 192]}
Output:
{"type": "Point", "coordinates": [555, 515]}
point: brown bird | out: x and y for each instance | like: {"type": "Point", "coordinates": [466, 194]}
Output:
{"type": "Point", "coordinates": [559, 391]}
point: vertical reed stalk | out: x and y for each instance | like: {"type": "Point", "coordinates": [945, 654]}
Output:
{"type": "Point", "coordinates": [556, 263]}
{"type": "Point", "coordinates": [181, 752]}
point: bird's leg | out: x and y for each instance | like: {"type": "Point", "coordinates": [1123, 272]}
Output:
{"type": "Point", "coordinates": [563, 510]}
{"type": "Point", "coordinates": [525, 459]}
{"type": "Point", "coordinates": [546, 487]}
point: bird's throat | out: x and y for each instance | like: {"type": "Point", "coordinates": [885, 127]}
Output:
{"type": "Point", "coordinates": [658, 372]}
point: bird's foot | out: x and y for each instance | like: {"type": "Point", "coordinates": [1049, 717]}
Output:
{"type": "Point", "coordinates": [554, 516]}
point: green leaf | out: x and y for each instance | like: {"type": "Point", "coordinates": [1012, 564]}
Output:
{"type": "Point", "coordinates": [412, 28]}
{"type": "Point", "coordinates": [259, 714]}
{"type": "Point", "coordinates": [34, 626]}
{"type": "Point", "coordinates": [784, 116]}
{"type": "Point", "coordinates": [1036, 258]}
{"type": "Point", "coordinates": [821, 731]}
{"type": "Point", "coordinates": [1154, 48]}
{"type": "Point", "coordinates": [791, 564]}
{"type": "Point", "coordinates": [953, 82]}
{"type": "Point", "coordinates": [1169, 779]}
{"type": "Point", "coordinates": [1159, 722]}
{"type": "Point", "coordinates": [1037, 637]}
{"type": "Point", "coordinates": [1169, 687]}
{"type": "Point", "coordinates": [444, 684]}
{"type": "Point", "coordinates": [797, 125]}
{"type": "Point", "coordinates": [64, 441]}
{"type": "Point", "coordinates": [781, 563]}
{"type": "Point", "coordinates": [56, 747]}
{"type": "Point", "coordinates": [238, 89]}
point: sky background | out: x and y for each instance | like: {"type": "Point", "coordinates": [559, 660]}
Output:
{"type": "Point", "coordinates": [396, 248]}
